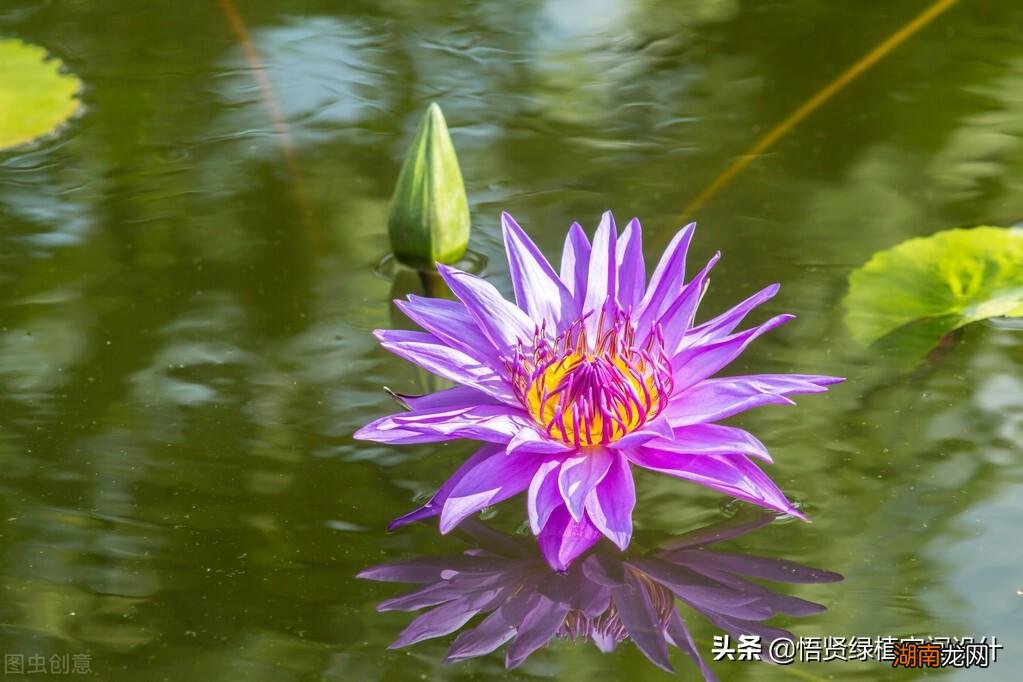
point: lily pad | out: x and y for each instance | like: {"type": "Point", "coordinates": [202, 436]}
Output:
{"type": "Point", "coordinates": [36, 96]}
{"type": "Point", "coordinates": [906, 298]}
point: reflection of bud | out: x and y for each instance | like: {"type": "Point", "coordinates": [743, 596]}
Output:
{"type": "Point", "coordinates": [429, 219]}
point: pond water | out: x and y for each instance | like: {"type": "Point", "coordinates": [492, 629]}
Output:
{"type": "Point", "coordinates": [187, 296]}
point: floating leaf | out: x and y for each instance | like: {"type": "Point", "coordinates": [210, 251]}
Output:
{"type": "Point", "coordinates": [429, 221]}
{"type": "Point", "coordinates": [905, 299]}
{"type": "Point", "coordinates": [35, 96]}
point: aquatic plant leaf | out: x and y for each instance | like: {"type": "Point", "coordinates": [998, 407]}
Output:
{"type": "Point", "coordinates": [35, 96]}
{"type": "Point", "coordinates": [429, 220]}
{"type": "Point", "coordinates": [906, 298]}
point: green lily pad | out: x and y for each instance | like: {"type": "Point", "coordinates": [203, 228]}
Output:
{"type": "Point", "coordinates": [36, 97]}
{"type": "Point", "coordinates": [906, 298]}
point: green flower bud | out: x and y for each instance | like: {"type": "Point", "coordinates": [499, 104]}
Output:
{"type": "Point", "coordinates": [429, 220]}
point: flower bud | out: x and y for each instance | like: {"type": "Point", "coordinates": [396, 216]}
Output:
{"type": "Point", "coordinates": [429, 219]}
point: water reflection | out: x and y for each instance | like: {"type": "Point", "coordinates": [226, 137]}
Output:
{"type": "Point", "coordinates": [606, 598]}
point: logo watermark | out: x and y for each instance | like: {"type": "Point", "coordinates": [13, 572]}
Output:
{"type": "Point", "coordinates": [56, 664]}
{"type": "Point", "coordinates": [907, 652]}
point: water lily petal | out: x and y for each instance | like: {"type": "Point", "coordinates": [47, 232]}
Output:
{"type": "Point", "coordinates": [679, 635]}
{"type": "Point", "coordinates": [490, 423]}
{"type": "Point", "coordinates": [563, 539]}
{"type": "Point", "coordinates": [431, 354]}
{"type": "Point", "coordinates": [451, 322]}
{"type": "Point", "coordinates": [703, 592]}
{"type": "Point", "coordinates": [678, 317]}
{"type": "Point", "coordinates": [733, 475]}
{"type": "Point", "coordinates": [543, 496]}
{"type": "Point", "coordinates": [631, 269]}
{"type": "Point", "coordinates": [494, 630]}
{"type": "Point", "coordinates": [447, 618]}
{"type": "Point", "coordinates": [501, 321]}
{"type": "Point", "coordinates": [714, 439]}
{"type": "Point", "coordinates": [539, 292]}
{"type": "Point", "coordinates": [436, 503]}
{"type": "Point", "coordinates": [696, 364]}
{"type": "Point", "coordinates": [538, 627]}
{"type": "Point", "coordinates": [580, 474]}
{"type": "Point", "coordinates": [723, 325]}
{"type": "Point", "coordinates": [715, 399]}
{"type": "Point", "coordinates": [768, 568]}
{"type": "Point", "coordinates": [531, 439]}
{"type": "Point", "coordinates": [491, 481]}
{"type": "Point", "coordinates": [449, 398]}
{"type": "Point", "coordinates": [636, 610]}
{"type": "Point", "coordinates": [603, 277]}
{"type": "Point", "coordinates": [658, 427]}
{"type": "Point", "coordinates": [762, 603]}
{"type": "Point", "coordinates": [575, 263]}
{"type": "Point", "coordinates": [787, 384]}
{"type": "Point", "coordinates": [609, 506]}
{"type": "Point", "coordinates": [667, 281]}
{"type": "Point", "coordinates": [442, 592]}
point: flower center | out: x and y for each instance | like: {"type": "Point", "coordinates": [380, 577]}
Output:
{"type": "Point", "coordinates": [585, 394]}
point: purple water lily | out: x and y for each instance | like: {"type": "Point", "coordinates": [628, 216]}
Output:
{"type": "Point", "coordinates": [587, 374]}
{"type": "Point", "coordinates": [606, 598]}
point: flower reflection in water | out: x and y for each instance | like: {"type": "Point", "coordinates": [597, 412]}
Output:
{"type": "Point", "coordinates": [608, 597]}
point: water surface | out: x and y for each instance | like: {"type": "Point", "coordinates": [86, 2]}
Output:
{"type": "Point", "coordinates": [185, 311]}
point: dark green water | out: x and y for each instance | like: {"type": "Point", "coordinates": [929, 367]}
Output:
{"type": "Point", "coordinates": [185, 322]}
